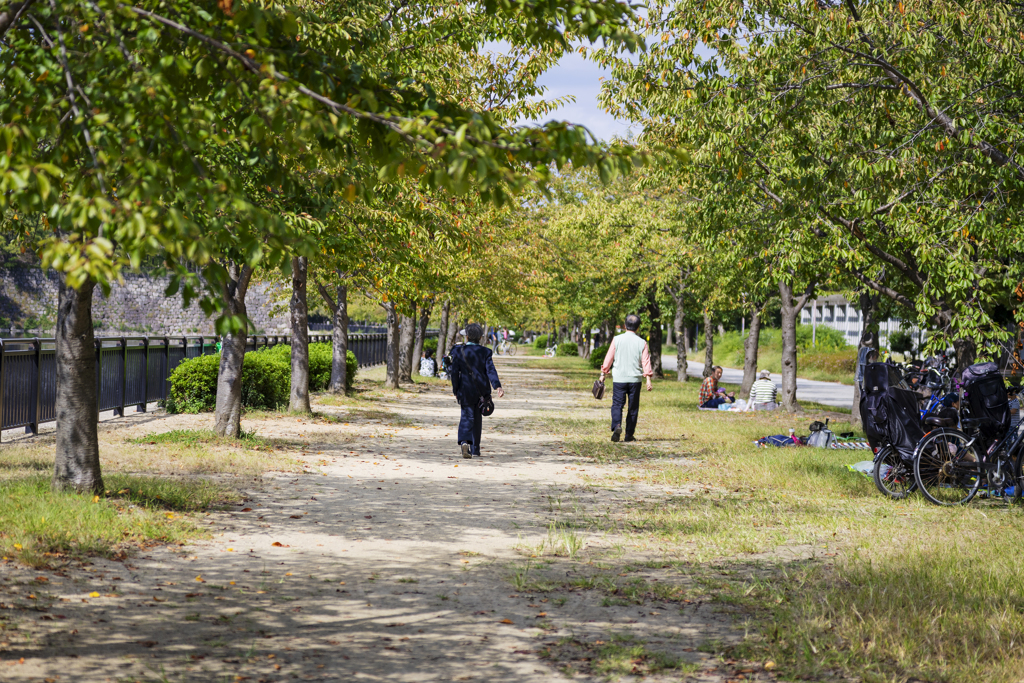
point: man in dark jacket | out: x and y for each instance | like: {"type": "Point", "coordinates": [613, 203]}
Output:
{"type": "Point", "coordinates": [473, 375]}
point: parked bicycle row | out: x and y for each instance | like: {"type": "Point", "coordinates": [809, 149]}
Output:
{"type": "Point", "coordinates": [951, 437]}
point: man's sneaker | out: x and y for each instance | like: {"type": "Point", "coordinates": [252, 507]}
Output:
{"type": "Point", "coordinates": [615, 434]}
{"type": "Point", "coordinates": [465, 451]}
{"type": "Point", "coordinates": [629, 437]}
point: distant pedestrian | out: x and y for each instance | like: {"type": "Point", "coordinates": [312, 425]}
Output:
{"type": "Point", "coordinates": [473, 375]}
{"type": "Point", "coordinates": [629, 361]}
{"type": "Point", "coordinates": [763, 393]}
{"type": "Point", "coordinates": [427, 365]}
{"type": "Point", "coordinates": [710, 395]}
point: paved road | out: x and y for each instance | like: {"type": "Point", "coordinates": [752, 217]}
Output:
{"type": "Point", "coordinates": [829, 393]}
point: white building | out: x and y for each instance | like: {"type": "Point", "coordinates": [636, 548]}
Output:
{"type": "Point", "coordinates": [836, 312]}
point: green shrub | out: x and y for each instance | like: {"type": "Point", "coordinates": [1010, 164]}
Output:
{"type": "Point", "coordinates": [430, 344]}
{"type": "Point", "coordinates": [351, 366]}
{"type": "Point", "coordinates": [193, 385]}
{"type": "Point", "coordinates": [265, 383]}
{"type": "Point", "coordinates": [541, 342]}
{"type": "Point", "coordinates": [320, 357]}
{"type": "Point", "coordinates": [901, 342]}
{"type": "Point", "coordinates": [826, 339]}
{"type": "Point", "coordinates": [597, 356]}
{"type": "Point", "coordinates": [567, 349]}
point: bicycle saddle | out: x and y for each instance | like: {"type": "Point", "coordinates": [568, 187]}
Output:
{"type": "Point", "coordinates": [936, 421]}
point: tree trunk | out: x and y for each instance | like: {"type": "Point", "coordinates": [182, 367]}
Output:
{"type": "Point", "coordinates": [442, 331]}
{"type": "Point", "coordinates": [228, 414]}
{"type": "Point", "coordinates": [421, 333]}
{"type": "Point", "coordinates": [77, 462]}
{"type": "Point", "coordinates": [966, 353]}
{"type": "Point", "coordinates": [654, 311]}
{"type": "Point", "coordinates": [721, 330]}
{"type": "Point", "coordinates": [687, 341]}
{"type": "Point", "coordinates": [681, 337]}
{"type": "Point", "coordinates": [298, 400]}
{"type": "Point", "coordinates": [868, 312]}
{"type": "Point", "coordinates": [581, 338]}
{"type": "Point", "coordinates": [709, 344]}
{"type": "Point", "coordinates": [392, 354]}
{"type": "Point", "coordinates": [339, 338]}
{"type": "Point", "coordinates": [750, 345]}
{"type": "Point", "coordinates": [453, 331]}
{"type": "Point", "coordinates": [790, 310]}
{"type": "Point", "coordinates": [407, 333]}
{"type": "Point", "coordinates": [607, 332]}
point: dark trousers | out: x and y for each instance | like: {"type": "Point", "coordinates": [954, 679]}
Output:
{"type": "Point", "coordinates": [715, 402]}
{"type": "Point", "coordinates": [620, 390]}
{"type": "Point", "coordinates": [470, 425]}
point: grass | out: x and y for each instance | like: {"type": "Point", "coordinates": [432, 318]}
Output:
{"type": "Point", "coordinates": [835, 579]}
{"type": "Point", "coordinates": [621, 655]}
{"type": "Point", "coordinates": [831, 361]}
{"type": "Point", "coordinates": [41, 528]}
{"type": "Point", "coordinates": [201, 451]}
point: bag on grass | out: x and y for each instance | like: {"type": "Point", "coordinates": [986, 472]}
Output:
{"type": "Point", "coordinates": [821, 436]}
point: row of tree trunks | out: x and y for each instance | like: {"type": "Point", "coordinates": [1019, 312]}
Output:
{"type": "Point", "coordinates": [655, 340]}
{"type": "Point", "coordinates": [77, 460]}
{"type": "Point", "coordinates": [228, 413]}
{"type": "Point", "coordinates": [339, 338]}
{"type": "Point", "coordinates": [298, 399]}
{"type": "Point", "coordinates": [682, 335]}
{"type": "Point", "coordinates": [709, 344]}
{"type": "Point", "coordinates": [407, 341]}
{"type": "Point", "coordinates": [442, 337]}
{"type": "Point", "coordinates": [453, 331]}
{"type": "Point", "coordinates": [791, 306]}
{"type": "Point", "coordinates": [391, 376]}
{"type": "Point", "coordinates": [750, 347]}
{"type": "Point", "coordinates": [421, 333]}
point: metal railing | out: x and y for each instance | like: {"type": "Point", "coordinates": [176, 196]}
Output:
{"type": "Point", "coordinates": [130, 371]}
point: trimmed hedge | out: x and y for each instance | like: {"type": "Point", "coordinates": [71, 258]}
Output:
{"type": "Point", "coordinates": [597, 356]}
{"type": "Point", "coordinates": [567, 349]}
{"type": "Point", "coordinates": [266, 378]}
{"type": "Point", "coordinates": [541, 342]}
{"type": "Point", "coordinates": [265, 384]}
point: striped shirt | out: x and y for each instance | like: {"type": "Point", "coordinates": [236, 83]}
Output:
{"type": "Point", "coordinates": [763, 391]}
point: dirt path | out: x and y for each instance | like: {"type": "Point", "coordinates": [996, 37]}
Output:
{"type": "Point", "coordinates": [392, 559]}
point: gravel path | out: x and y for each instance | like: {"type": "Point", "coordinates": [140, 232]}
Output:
{"type": "Point", "coordinates": [391, 559]}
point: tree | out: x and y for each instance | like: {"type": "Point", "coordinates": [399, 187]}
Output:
{"type": "Point", "coordinates": [121, 147]}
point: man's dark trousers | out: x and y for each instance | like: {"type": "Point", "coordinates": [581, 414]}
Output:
{"type": "Point", "coordinates": [470, 425]}
{"type": "Point", "coordinates": [620, 390]}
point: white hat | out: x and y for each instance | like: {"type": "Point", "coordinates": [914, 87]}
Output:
{"type": "Point", "coordinates": [764, 374]}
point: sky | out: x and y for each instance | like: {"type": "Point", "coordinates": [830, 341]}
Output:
{"type": "Point", "coordinates": [577, 76]}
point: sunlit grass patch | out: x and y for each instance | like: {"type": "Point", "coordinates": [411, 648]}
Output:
{"type": "Point", "coordinates": [619, 655]}
{"type": "Point", "coordinates": [199, 451]}
{"type": "Point", "coordinates": [41, 527]}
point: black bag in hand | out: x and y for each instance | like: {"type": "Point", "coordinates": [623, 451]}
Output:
{"type": "Point", "coordinates": [598, 390]}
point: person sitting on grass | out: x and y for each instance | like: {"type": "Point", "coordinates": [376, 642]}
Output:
{"type": "Point", "coordinates": [763, 393]}
{"type": "Point", "coordinates": [710, 395]}
{"type": "Point", "coordinates": [427, 364]}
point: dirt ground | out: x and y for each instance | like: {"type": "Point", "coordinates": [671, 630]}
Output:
{"type": "Point", "coordinates": [391, 558]}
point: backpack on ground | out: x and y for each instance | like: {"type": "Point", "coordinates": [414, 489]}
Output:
{"type": "Point", "coordinates": [821, 436]}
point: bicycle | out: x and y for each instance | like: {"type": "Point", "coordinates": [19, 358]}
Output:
{"type": "Point", "coordinates": [949, 470]}
{"type": "Point", "coordinates": [550, 351]}
{"type": "Point", "coordinates": [505, 348]}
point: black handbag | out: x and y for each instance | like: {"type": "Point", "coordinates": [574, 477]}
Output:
{"type": "Point", "coordinates": [486, 406]}
{"type": "Point", "coordinates": [598, 390]}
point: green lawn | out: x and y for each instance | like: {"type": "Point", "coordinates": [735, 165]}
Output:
{"type": "Point", "coordinates": [835, 580]}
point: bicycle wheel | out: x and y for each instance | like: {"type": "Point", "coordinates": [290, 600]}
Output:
{"type": "Point", "coordinates": [947, 469]}
{"type": "Point", "coordinates": [511, 349]}
{"type": "Point", "coordinates": [1018, 479]}
{"type": "Point", "coordinates": [892, 476]}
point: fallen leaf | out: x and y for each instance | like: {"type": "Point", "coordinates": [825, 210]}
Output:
{"type": "Point", "coordinates": [192, 595]}
{"type": "Point", "coordinates": [295, 516]}
{"type": "Point", "coordinates": [278, 544]}
{"type": "Point", "coordinates": [542, 614]}
{"type": "Point", "coordinates": [506, 621]}
{"type": "Point", "coordinates": [94, 594]}
{"type": "Point", "coordinates": [769, 665]}
{"type": "Point", "coordinates": [147, 643]}
{"type": "Point", "coordinates": [200, 579]}
{"type": "Point", "coordinates": [246, 510]}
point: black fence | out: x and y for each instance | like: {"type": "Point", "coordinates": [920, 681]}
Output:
{"type": "Point", "coordinates": [130, 371]}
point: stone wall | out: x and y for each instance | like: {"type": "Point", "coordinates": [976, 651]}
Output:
{"type": "Point", "coordinates": [28, 300]}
